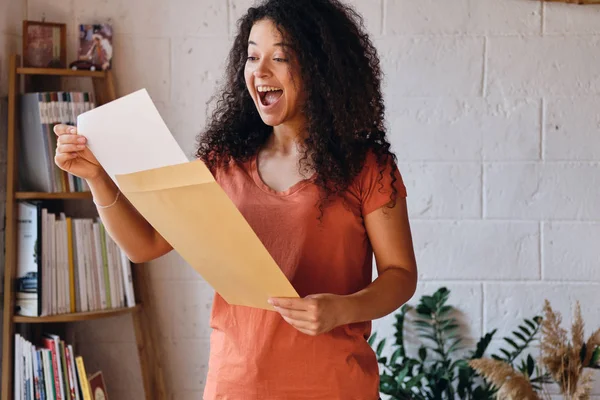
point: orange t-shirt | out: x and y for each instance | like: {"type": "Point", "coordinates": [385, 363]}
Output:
{"type": "Point", "coordinates": [255, 354]}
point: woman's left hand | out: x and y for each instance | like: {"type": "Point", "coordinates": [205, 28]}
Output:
{"type": "Point", "coordinates": [314, 314]}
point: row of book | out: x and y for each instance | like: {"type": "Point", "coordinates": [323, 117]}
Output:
{"type": "Point", "coordinates": [50, 372]}
{"type": "Point", "coordinates": [40, 112]}
{"type": "Point", "coordinates": [68, 265]}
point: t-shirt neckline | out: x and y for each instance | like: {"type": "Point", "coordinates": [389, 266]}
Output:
{"type": "Point", "coordinates": [268, 189]}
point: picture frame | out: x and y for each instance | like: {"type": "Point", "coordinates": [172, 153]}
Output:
{"type": "Point", "coordinates": [97, 386]}
{"type": "Point", "coordinates": [95, 47]}
{"type": "Point", "coordinates": [44, 44]}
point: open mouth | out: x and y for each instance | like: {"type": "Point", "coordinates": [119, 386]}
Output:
{"type": "Point", "coordinates": [269, 95]}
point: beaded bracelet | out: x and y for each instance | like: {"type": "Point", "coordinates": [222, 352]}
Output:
{"type": "Point", "coordinates": [110, 205]}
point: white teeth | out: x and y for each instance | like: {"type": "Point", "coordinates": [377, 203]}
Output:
{"type": "Point", "coordinates": [266, 88]}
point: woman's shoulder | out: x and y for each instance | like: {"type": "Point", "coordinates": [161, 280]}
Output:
{"type": "Point", "coordinates": [376, 165]}
{"type": "Point", "coordinates": [378, 181]}
{"type": "Point", "coordinates": [225, 166]}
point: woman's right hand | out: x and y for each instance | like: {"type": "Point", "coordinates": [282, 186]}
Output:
{"type": "Point", "coordinates": [72, 154]}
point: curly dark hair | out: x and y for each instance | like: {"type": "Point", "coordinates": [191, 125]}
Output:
{"type": "Point", "coordinates": [341, 74]}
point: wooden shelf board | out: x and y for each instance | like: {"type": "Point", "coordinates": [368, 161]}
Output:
{"type": "Point", "coordinates": [85, 316]}
{"type": "Point", "coordinates": [61, 72]}
{"type": "Point", "coordinates": [52, 196]}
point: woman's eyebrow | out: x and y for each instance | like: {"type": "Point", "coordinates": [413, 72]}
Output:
{"type": "Point", "coordinates": [280, 44]}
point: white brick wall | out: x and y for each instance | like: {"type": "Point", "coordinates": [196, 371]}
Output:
{"type": "Point", "coordinates": [493, 112]}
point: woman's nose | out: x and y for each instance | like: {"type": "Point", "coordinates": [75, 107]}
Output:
{"type": "Point", "coordinates": [261, 70]}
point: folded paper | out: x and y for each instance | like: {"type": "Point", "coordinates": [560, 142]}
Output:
{"type": "Point", "coordinates": [129, 135]}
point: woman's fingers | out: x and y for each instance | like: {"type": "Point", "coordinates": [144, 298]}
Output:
{"type": "Point", "coordinates": [65, 139]}
{"type": "Point", "coordinates": [69, 148]}
{"type": "Point", "coordinates": [62, 129]}
{"type": "Point", "coordinates": [62, 158]}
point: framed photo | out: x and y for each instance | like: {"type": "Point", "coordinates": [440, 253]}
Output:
{"type": "Point", "coordinates": [44, 44]}
{"type": "Point", "coordinates": [97, 386]}
{"type": "Point", "coordinates": [96, 46]}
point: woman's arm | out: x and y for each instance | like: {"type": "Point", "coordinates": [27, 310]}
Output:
{"type": "Point", "coordinates": [128, 228]}
{"type": "Point", "coordinates": [138, 239]}
{"type": "Point", "coordinates": [391, 238]}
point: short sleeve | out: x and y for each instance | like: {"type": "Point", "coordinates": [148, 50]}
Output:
{"type": "Point", "coordinates": [376, 183]}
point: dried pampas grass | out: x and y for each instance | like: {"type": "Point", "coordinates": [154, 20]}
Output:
{"type": "Point", "coordinates": [592, 343]}
{"type": "Point", "coordinates": [566, 359]}
{"type": "Point", "coordinates": [584, 388]}
{"type": "Point", "coordinates": [511, 384]}
{"type": "Point", "coordinates": [563, 358]}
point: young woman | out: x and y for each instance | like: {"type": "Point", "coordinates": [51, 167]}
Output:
{"type": "Point", "coordinates": [298, 143]}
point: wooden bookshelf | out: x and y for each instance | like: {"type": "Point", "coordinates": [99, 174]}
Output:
{"type": "Point", "coordinates": [64, 72]}
{"type": "Point", "coordinates": [145, 332]}
{"type": "Point", "coordinates": [83, 316]}
{"type": "Point", "coordinates": [52, 196]}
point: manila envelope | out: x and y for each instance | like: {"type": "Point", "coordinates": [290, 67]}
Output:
{"type": "Point", "coordinates": [191, 211]}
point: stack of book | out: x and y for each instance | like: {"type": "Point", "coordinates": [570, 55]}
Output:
{"type": "Point", "coordinates": [41, 111]}
{"type": "Point", "coordinates": [68, 265]}
{"type": "Point", "coordinates": [50, 372]}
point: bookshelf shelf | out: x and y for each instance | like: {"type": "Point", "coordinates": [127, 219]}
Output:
{"type": "Point", "coordinates": [61, 72]}
{"type": "Point", "coordinates": [52, 196]}
{"type": "Point", "coordinates": [84, 316]}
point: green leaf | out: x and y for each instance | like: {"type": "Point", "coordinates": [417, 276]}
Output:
{"type": "Point", "coordinates": [427, 302]}
{"type": "Point", "coordinates": [395, 356]}
{"type": "Point", "coordinates": [506, 353]}
{"type": "Point", "coordinates": [595, 357]}
{"type": "Point", "coordinates": [444, 310]}
{"type": "Point", "coordinates": [388, 380]}
{"type": "Point", "coordinates": [525, 330]}
{"type": "Point", "coordinates": [424, 311]}
{"type": "Point", "coordinates": [450, 327]}
{"type": "Point", "coordinates": [423, 324]}
{"type": "Point", "coordinates": [401, 375]}
{"type": "Point", "coordinates": [455, 345]}
{"type": "Point", "coordinates": [523, 367]}
{"type": "Point", "coordinates": [530, 365]}
{"type": "Point", "coordinates": [429, 336]}
{"type": "Point", "coordinates": [439, 351]}
{"type": "Point", "coordinates": [442, 294]}
{"type": "Point", "coordinates": [583, 352]}
{"type": "Point", "coordinates": [512, 343]}
{"type": "Point", "coordinates": [372, 339]}
{"type": "Point", "coordinates": [406, 308]}
{"type": "Point", "coordinates": [483, 344]}
{"type": "Point", "coordinates": [538, 319]}
{"type": "Point", "coordinates": [414, 381]}
{"type": "Point", "coordinates": [531, 324]}
{"type": "Point", "coordinates": [520, 336]}
{"type": "Point", "coordinates": [422, 353]}
{"type": "Point", "coordinates": [380, 347]}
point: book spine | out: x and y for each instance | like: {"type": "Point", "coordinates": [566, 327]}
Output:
{"type": "Point", "coordinates": [71, 265]}
{"type": "Point", "coordinates": [73, 372]}
{"type": "Point", "coordinates": [83, 381]}
{"type": "Point", "coordinates": [71, 388]}
{"type": "Point", "coordinates": [50, 344]}
{"type": "Point", "coordinates": [66, 385]}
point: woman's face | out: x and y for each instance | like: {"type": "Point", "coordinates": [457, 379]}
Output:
{"type": "Point", "coordinates": [272, 75]}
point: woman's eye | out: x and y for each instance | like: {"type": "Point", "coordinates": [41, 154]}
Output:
{"type": "Point", "coordinates": [280, 59]}
{"type": "Point", "coordinates": [252, 58]}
